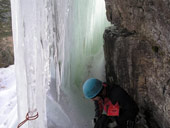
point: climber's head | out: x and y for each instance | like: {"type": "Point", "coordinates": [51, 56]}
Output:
{"type": "Point", "coordinates": [91, 88]}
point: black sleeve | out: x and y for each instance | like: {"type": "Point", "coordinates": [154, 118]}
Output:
{"type": "Point", "coordinates": [97, 109]}
{"type": "Point", "coordinates": [128, 107]}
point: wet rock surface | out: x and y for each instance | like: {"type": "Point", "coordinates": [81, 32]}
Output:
{"type": "Point", "coordinates": [6, 45]}
{"type": "Point", "coordinates": [137, 54]}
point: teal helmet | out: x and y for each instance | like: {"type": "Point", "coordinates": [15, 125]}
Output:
{"type": "Point", "coordinates": [92, 87]}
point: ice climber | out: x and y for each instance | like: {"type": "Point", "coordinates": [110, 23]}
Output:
{"type": "Point", "coordinates": [120, 108]}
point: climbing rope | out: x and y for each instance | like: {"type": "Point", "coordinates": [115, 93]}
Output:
{"type": "Point", "coordinates": [34, 117]}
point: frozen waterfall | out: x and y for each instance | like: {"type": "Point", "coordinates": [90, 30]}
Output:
{"type": "Point", "coordinates": [58, 44]}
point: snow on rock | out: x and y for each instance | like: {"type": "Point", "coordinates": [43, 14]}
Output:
{"type": "Point", "coordinates": [8, 99]}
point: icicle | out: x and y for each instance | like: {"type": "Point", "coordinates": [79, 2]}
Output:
{"type": "Point", "coordinates": [71, 30]}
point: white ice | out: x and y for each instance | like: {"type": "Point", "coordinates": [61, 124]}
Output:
{"type": "Point", "coordinates": [58, 44]}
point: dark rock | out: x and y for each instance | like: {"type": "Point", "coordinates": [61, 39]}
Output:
{"type": "Point", "coordinates": [147, 17]}
{"type": "Point", "coordinates": [140, 70]}
{"type": "Point", "coordinates": [140, 61]}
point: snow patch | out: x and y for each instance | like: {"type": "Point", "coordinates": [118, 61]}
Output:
{"type": "Point", "coordinates": [8, 99]}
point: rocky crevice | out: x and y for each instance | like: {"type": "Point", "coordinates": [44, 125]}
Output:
{"type": "Point", "coordinates": [137, 54]}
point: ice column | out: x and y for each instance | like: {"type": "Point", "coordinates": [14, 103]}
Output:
{"type": "Point", "coordinates": [33, 35]}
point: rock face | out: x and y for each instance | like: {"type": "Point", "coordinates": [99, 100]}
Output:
{"type": "Point", "coordinates": [6, 45]}
{"type": "Point", "coordinates": [137, 54]}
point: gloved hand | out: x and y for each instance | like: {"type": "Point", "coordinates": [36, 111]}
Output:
{"type": "Point", "coordinates": [112, 124]}
{"type": "Point", "coordinates": [130, 124]}
{"type": "Point", "coordinates": [94, 121]}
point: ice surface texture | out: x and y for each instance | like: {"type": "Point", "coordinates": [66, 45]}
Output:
{"type": "Point", "coordinates": [57, 45]}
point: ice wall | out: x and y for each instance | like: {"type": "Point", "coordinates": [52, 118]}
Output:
{"type": "Point", "coordinates": [58, 45]}
{"type": "Point", "coordinates": [33, 35]}
{"type": "Point", "coordinates": [85, 25]}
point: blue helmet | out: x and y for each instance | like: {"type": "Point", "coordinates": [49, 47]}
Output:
{"type": "Point", "coordinates": [92, 87]}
